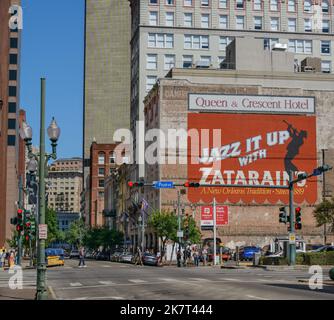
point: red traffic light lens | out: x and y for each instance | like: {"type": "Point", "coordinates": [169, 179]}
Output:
{"type": "Point", "coordinates": [18, 228]}
{"type": "Point", "coordinates": [186, 185]}
{"type": "Point", "coordinates": [19, 211]}
{"type": "Point", "coordinates": [298, 209]}
{"type": "Point", "coordinates": [27, 238]}
{"type": "Point", "coordinates": [130, 184]}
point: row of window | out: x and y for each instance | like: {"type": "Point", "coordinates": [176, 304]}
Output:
{"type": "Point", "coordinates": [201, 42]}
{"type": "Point", "coordinates": [188, 21]}
{"type": "Point", "coordinates": [274, 5]}
{"type": "Point", "coordinates": [101, 158]}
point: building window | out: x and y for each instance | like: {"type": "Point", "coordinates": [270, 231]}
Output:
{"type": "Point", "coordinates": [154, 2]}
{"type": "Point", "coordinates": [13, 58]}
{"type": "Point", "coordinates": [170, 19]}
{"type": "Point", "coordinates": [325, 47]}
{"type": "Point", "coordinates": [269, 43]}
{"type": "Point", "coordinates": [101, 159]}
{"type": "Point", "coordinates": [325, 6]}
{"type": "Point", "coordinates": [188, 20]}
{"type": "Point", "coordinates": [274, 24]}
{"type": "Point", "coordinates": [325, 26]}
{"type": "Point", "coordinates": [169, 62]}
{"type": "Point", "coordinates": [326, 66]}
{"type": "Point", "coordinates": [160, 40]}
{"type": "Point", "coordinates": [153, 18]}
{"type": "Point", "coordinates": [12, 124]}
{"type": "Point", "coordinates": [223, 22]}
{"type": "Point", "coordinates": [188, 3]}
{"type": "Point", "coordinates": [307, 5]}
{"type": "Point", "coordinates": [101, 171]}
{"type": "Point", "coordinates": [112, 158]}
{"type": "Point", "coordinates": [205, 20]}
{"type": "Point", "coordinates": [205, 60]}
{"type": "Point", "coordinates": [240, 4]}
{"type": "Point", "coordinates": [240, 22]}
{"type": "Point", "coordinates": [300, 46]}
{"type": "Point", "coordinates": [12, 91]}
{"type": "Point", "coordinates": [223, 4]}
{"type": "Point", "coordinates": [273, 5]}
{"type": "Point", "coordinates": [307, 25]}
{"type": "Point", "coordinates": [13, 43]}
{"type": "Point", "coordinates": [257, 5]}
{"type": "Point", "coordinates": [101, 183]}
{"type": "Point", "coordinates": [11, 107]}
{"type": "Point", "coordinates": [258, 23]}
{"type": "Point", "coordinates": [224, 42]}
{"type": "Point", "coordinates": [150, 82]}
{"type": "Point", "coordinates": [292, 24]}
{"type": "Point", "coordinates": [169, 2]}
{"type": "Point", "coordinates": [187, 61]}
{"type": "Point", "coordinates": [292, 6]}
{"type": "Point", "coordinates": [101, 194]}
{"type": "Point", "coordinates": [11, 140]}
{"type": "Point", "coordinates": [196, 42]}
{"type": "Point", "coordinates": [151, 62]}
{"type": "Point", "coordinates": [205, 3]}
{"type": "Point", "coordinates": [12, 75]}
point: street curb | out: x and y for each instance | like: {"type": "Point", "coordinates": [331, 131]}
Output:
{"type": "Point", "coordinates": [326, 282]}
{"type": "Point", "coordinates": [51, 292]}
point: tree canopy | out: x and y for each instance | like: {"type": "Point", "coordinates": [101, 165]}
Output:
{"type": "Point", "coordinates": [324, 213]}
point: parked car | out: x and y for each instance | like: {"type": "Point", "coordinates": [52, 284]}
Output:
{"type": "Point", "coordinates": [150, 259]}
{"type": "Point", "coordinates": [103, 255]}
{"type": "Point", "coordinates": [326, 248]}
{"type": "Point", "coordinates": [115, 256]}
{"type": "Point", "coordinates": [312, 247]}
{"type": "Point", "coordinates": [89, 254]}
{"type": "Point", "coordinates": [74, 254]}
{"type": "Point", "coordinates": [126, 257]}
{"type": "Point", "coordinates": [247, 253]}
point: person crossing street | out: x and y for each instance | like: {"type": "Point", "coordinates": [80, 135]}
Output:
{"type": "Point", "coordinates": [82, 263]}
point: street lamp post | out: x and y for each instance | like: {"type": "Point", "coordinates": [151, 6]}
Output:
{"type": "Point", "coordinates": [140, 221]}
{"type": "Point", "coordinates": [43, 158]}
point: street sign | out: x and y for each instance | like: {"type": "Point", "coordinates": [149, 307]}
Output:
{"type": "Point", "coordinates": [292, 238]}
{"type": "Point", "coordinates": [163, 184]}
{"type": "Point", "coordinates": [43, 232]}
{"type": "Point", "coordinates": [180, 234]}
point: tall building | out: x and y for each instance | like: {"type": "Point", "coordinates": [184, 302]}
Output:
{"type": "Point", "coordinates": [107, 72]}
{"type": "Point", "coordinates": [11, 164]}
{"type": "Point", "coordinates": [195, 33]}
{"type": "Point", "coordinates": [65, 185]}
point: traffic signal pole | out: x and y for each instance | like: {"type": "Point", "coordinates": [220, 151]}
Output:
{"type": "Point", "coordinates": [292, 244]}
{"type": "Point", "coordinates": [214, 231]}
{"type": "Point", "coordinates": [19, 236]}
{"type": "Point", "coordinates": [179, 216]}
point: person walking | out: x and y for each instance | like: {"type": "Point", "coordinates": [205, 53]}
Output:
{"type": "Point", "coordinates": [82, 263]}
{"type": "Point", "coordinates": [178, 258]}
{"type": "Point", "coordinates": [205, 256]}
{"type": "Point", "coordinates": [196, 257]}
{"type": "Point", "coordinates": [1, 255]}
{"type": "Point", "coordinates": [11, 259]}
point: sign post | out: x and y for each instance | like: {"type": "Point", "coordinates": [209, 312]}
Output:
{"type": "Point", "coordinates": [214, 231]}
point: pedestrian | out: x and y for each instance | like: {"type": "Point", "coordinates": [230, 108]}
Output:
{"type": "Point", "coordinates": [196, 257]}
{"type": "Point", "coordinates": [82, 263]}
{"type": "Point", "coordinates": [159, 258]}
{"type": "Point", "coordinates": [178, 258]}
{"type": "Point", "coordinates": [1, 255]}
{"type": "Point", "coordinates": [205, 256]}
{"type": "Point", "coordinates": [11, 259]}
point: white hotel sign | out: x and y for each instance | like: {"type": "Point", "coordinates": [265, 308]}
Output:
{"type": "Point", "coordinates": [251, 103]}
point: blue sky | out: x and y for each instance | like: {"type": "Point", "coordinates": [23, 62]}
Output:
{"type": "Point", "coordinates": [53, 47]}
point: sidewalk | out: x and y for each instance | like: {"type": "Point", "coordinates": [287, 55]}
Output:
{"type": "Point", "coordinates": [24, 294]}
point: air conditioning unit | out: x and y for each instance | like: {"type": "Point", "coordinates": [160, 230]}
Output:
{"type": "Point", "coordinates": [280, 47]}
{"type": "Point", "coordinates": [309, 69]}
{"type": "Point", "coordinates": [202, 64]}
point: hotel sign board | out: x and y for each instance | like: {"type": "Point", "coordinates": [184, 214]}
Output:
{"type": "Point", "coordinates": [251, 104]}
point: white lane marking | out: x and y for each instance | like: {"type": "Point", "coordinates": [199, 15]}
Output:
{"type": "Point", "coordinates": [255, 297]}
{"type": "Point", "coordinates": [137, 281]}
{"type": "Point", "coordinates": [106, 266]}
{"type": "Point", "coordinates": [232, 279]}
{"type": "Point", "coordinates": [107, 283]}
{"type": "Point", "coordinates": [198, 279]}
{"type": "Point", "coordinates": [168, 279]}
{"type": "Point", "coordinates": [75, 284]}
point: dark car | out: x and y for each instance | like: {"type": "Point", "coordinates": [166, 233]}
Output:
{"type": "Point", "coordinates": [326, 248]}
{"type": "Point", "coordinates": [247, 253]}
{"type": "Point", "coordinates": [150, 259]}
{"type": "Point", "coordinates": [103, 255]}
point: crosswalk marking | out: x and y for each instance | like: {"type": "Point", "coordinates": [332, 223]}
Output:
{"type": "Point", "coordinates": [106, 282]}
{"type": "Point", "coordinates": [75, 284]}
{"type": "Point", "coordinates": [198, 279]}
{"type": "Point", "coordinates": [168, 279]}
{"type": "Point", "coordinates": [137, 281]}
{"type": "Point", "coordinates": [231, 279]}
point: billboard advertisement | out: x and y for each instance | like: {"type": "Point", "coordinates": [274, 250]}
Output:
{"type": "Point", "coordinates": [251, 149]}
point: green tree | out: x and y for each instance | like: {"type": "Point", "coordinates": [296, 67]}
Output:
{"type": "Point", "coordinates": [194, 232]}
{"type": "Point", "coordinates": [324, 213]}
{"type": "Point", "coordinates": [54, 234]}
{"type": "Point", "coordinates": [76, 233]}
{"type": "Point", "coordinates": [97, 237]}
{"type": "Point", "coordinates": [165, 225]}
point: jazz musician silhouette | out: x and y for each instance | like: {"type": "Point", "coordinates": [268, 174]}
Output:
{"type": "Point", "coordinates": [297, 140]}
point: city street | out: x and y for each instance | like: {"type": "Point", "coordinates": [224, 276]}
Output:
{"type": "Point", "coordinates": [103, 280]}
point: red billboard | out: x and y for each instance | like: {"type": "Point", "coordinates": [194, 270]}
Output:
{"type": "Point", "coordinates": [251, 149]}
{"type": "Point", "coordinates": [207, 216]}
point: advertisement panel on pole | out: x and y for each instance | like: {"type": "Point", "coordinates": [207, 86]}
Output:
{"type": "Point", "coordinates": [207, 216]}
{"type": "Point", "coordinates": [251, 149]}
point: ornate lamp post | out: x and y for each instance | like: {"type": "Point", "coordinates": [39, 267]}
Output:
{"type": "Point", "coordinates": [42, 158]}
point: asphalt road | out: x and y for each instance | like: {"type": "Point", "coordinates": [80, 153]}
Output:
{"type": "Point", "coordinates": [103, 280]}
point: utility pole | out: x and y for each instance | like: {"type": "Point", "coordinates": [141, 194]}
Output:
{"type": "Point", "coordinates": [324, 192]}
{"type": "Point", "coordinates": [19, 236]}
{"type": "Point", "coordinates": [292, 244]}
{"type": "Point", "coordinates": [179, 217]}
{"type": "Point", "coordinates": [214, 231]}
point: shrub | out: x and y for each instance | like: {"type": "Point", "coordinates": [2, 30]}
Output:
{"type": "Point", "coordinates": [319, 258]}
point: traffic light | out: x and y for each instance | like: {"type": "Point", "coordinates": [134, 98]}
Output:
{"type": "Point", "coordinates": [318, 171]}
{"type": "Point", "coordinates": [298, 213]}
{"type": "Point", "coordinates": [132, 184]}
{"type": "Point", "coordinates": [191, 185]}
{"type": "Point", "coordinates": [283, 217]}
{"type": "Point", "coordinates": [19, 226]}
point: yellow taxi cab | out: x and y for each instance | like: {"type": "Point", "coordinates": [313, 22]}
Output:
{"type": "Point", "coordinates": [54, 257]}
